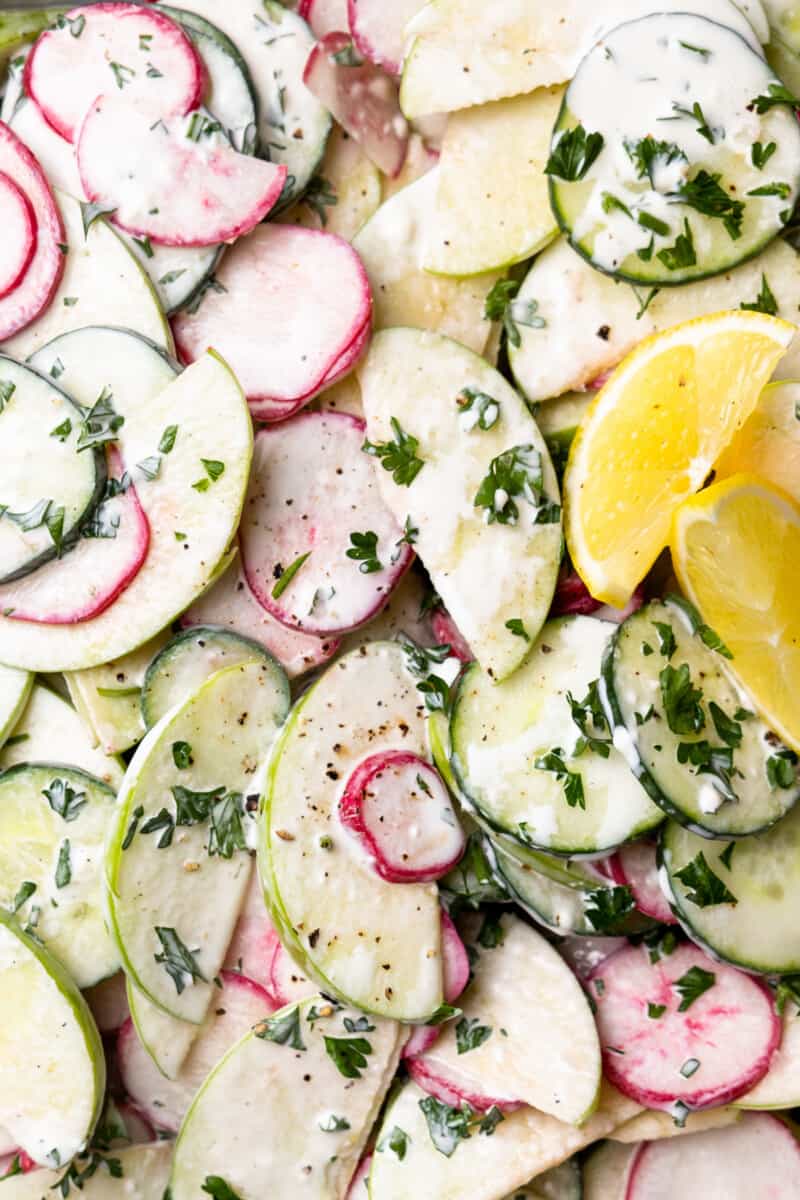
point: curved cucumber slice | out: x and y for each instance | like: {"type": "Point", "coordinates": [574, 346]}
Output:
{"type": "Point", "coordinates": [145, 1172]}
{"type": "Point", "coordinates": [273, 1127]}
{"type": "Point", "coordinates": [514, 749]}
{"type": "Point", "coordinates": [176, 858]}
{"type": "Point", "coordinates": [484, 495]}
{"type": "Point", "coordinates": [50, 730]}
{"type": "Point", "coordinates": [341, 921]}
{"type": "Point", "coordinates": [689, 202]}
{"type": "Point", "coordinates": [758, 928]}
{"type": "Point", "coordinates": [53, 825]}
{"type": "Point", "coordinates": [49, 489]}
{"type": "Point", "coordinates": [187, 661]}
{"type": "Point", "coordinates": [684, 726]}
{"type": "Point", "coordinates": [52, 1069]}
{"type": "Point", "coordinates": [15, 688]}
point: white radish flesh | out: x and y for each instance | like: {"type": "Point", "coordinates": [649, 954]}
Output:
{"type": "Point", "coordinates": [103, 48]}
{"type": "Point", "coordinates": [362, 99]}
{"type": "Point", "coordinates": [313, 301]}
{"type": "Point", "coordinates": [311, 490]}
{"type": "Point", "coordinates": [288, 984]}
{"type": "Point", "coordinates": [714, 1050]}
{"type": "Point", "coordinates": [454, 1088]}
{"type": "Point", "coordinates": [175, 180]}
{"type": "Point", "coordinates": [447, 633]}
{"type": "Point", "coordinates": [399, 809]}
{"type": "Point", "coordinates": [254, 939]}
{"type": "Point", "coordinates": [635, 866]}
{"type": "Point", "coordinates": [324, 16]}
{"type": "Point", "coordinates": [18, 222]}
{"type": "Point", "coordinates": [455, 968]}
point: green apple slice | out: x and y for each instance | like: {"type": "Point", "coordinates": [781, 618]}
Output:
{"type": "Point", "coordinates": [488, 1163]}
{"type": "Point", "coordinates": [494, 564]}
{"type": "Point", "coordinates": [192, 504]}
{"type": "Point", "coordinates": [292, 1103]}
{"type": "Point", "coordinates": [141, 1173]}
{"type": "Point", "coordinates": [19, 26]}
{"type": "Point", "coordinates": [342, 923]}
{"type": "Point", "coordinates": [485, 224]}
{"type": "Point", "coordinates": [391, 246]}
{"type": "Point", "coordinates": [166, 1039]}
{"type": "Point", "coordinates": [780, 1087]}
{"type": "Point", "coordinates": [606, 1170]}
{"type": "Point", "coordinates": [15, 688]}
{"type": "Point", "coordinates": [542, 1046]}
{"type": "Point", "coordinates": [108, 697]}
{"type": "Point", "coordinates": [176, 864]}
{"type": "Point", "coordinates": [53, 825]}
{"type": "Point", "coordinates": [52, 1069]}
{"type": "Point", "coordinates": [50, 730]}
{"type": "Point", "coordinates": [102, 283]}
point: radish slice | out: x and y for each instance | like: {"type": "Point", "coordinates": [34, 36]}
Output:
{"type": "Point", "coordinates": [254, 940]}
{"type": "Point", "coordinates": [707, 1055]}
{"type": "Point", "coordinates": [362, 99]}
{"type": "Point", "coordinates": [313, 297]}
{"type": "Point", "coordinates": [324, 16]}
{"type": "Point", "coordinates": [398, 807]}
{"type": "Point", "coordinates": [240, 1004]}
{"type": "Point", "coordinates": [572, 596]}
{"type": "Point", "coordinates": [35, 289]}
{"type": "Point", "coordinates": [175, 180]}
{"type": "Point", "coordinates": [420, 1041]}
{"type": "Point", "coordinates": [230, 603]}
{"type": "Point", "coordinates": [455, 961]}
{"type": "Point", "coordinates": [378, 29]}
{"type": "Point", "coordinates": [447, 633]}
{"type": "Point", "coordinates": [359, 1184]}
{"type": "Point", "coordinates": [288, 984]}
{"type": "Point", "coordinates": [16, 1162]}
{"type": "Point", "coordinates": [137, 1127]}
{"type": "Point", "coordinates": [635, 866]}
{"type": "Point", "coordinates": [311, 491]}
{"type": "Point", "coordinates": [93, 573]}
{"type": "Point", "coordinates": [455, 1089]}
{"type": "Point", "coordinates": [18, 222]}
{"type": "Point", "coordinates": [755, 1159]}
{"type": "Point", "coordinates": [102, 48]}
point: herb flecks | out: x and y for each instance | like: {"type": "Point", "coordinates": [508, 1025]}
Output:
{"type": "Point", "coordinates": [399, 456]}
{"type": "Point", "coordinates": [572, 153]}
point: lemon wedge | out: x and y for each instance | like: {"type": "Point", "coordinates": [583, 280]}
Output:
{"type": "Point", "coordinates": [652, 436]}
{"type": "Point", "coordinates": [768, 444]}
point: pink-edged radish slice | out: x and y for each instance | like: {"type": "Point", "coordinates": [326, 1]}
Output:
{"type": "Point", "coordinates": [420, 1040]}
{"type": "Point", "coordinates": [573, 597]}
{"type": "Point", "coordinates": [606, 613]}
{"type": "Point", "coordinates": [714, 1050]}
{"type": "Point", "coordinates": [758, 1158]}
{"type": "Point", "coordinates": [362, 99]}
{"type": "Point", "coordinates": [306, 287]}
{"type": "Point", "coordinates": [137, 1126]}
{"type": "Point", "coordinates": [254, 939]}
{"type": "Point", "coordinates": [239, 1005]}
{"type": "Point", "coordinates": [18, 223]}
{"type": "Point", "coordinates": [108, 1001]}
{"type": "Point", "coordinates": [324, 16]}
{"type": "Point", "coordinates": [398, 808]}
{"type": "Point", "coordinates": [105, 48]}
{"type": "Point", "coordinates": [174, 180]}
{"type": "Point", "coordinates": [90, 576]}
{"type": "Point", "coordinates": [635, 866]}
{"type": "Point", "coordinates": [311, 489]}
{"type": "Point", "coordinates": [15, 1163]}
{"type": "Point", "coordinates": [378, 29]}
{"type": "Point", "coordinates": [455, 1088]}
{"type": "Point", "coordinates": [35, 289]}
{"type": "Point", "coordinates": [288, 984]}
{"type": "Point", "coordinates": [455, 970]}
{"type": "Point", "coordinates": [447, 633]}
{"type": "Point", "coordinates": [231, 604]}
{"type": "Point", "coordinates": [359, 1184]}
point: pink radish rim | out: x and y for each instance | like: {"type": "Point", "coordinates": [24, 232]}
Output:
{"type": "Point", "coordinates": [29, 219]}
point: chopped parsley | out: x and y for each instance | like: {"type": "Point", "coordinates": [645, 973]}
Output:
{"type": "Point", "coordinates": [182, 755]}
{"type": "Point", "coordinates": [692, 985]}
{"type": "Point", "coordinates": [516, 627]}
{"type": "Point", "coordinates": [286, 575]}
{"type": "Point", "coordinates": [122, 74]}
{"type": "Point", "coordinates": [681, 700]}
{"type": "Point", "coordinates": [395, 1140]}
{"type": "Point", "coordinates": [398, 456]}
{"type": "Point", "coordinates": [216, 1186]}
{"type": "Point", "coordinates": [760, 154]}
{"type": "Point", "coordinates": [514, 473]}
{"type": "Point", "coordinates": [764, 302]}
{"type": "Point", "coordinates": [64, 865]}
{"type": "Point", "coordinates": [364, 550]}
{"type": "Point", "coordinates": [23, 895]}
{"type": "Point", "coordinates": [682, 253]}
{"type": "Point", "coordinates": [320, 195]}
{"type": "Point", "coordinates": [101, 423]}
{"type": "Point", "coordinates": [177, 960]}
{"type": "Point", "coordinates": [477, 409]}
{"type": "Point", "coordinates": [704, 888]}
{"type": "Point", "coordinates": [704, 195]}
{"type": "Point", "coordinates": [285, 1030]}
{"type": "Point", "coordinates": [703, 127]}
{"type": "Point", "coordinates": [470, 1034]}
{"type": "Point", "coordinates": [608, 907]}
{"type": "Point", "coordinates": [777, 93]}
{"type": "Point", "coordinates": [656, 1011]}
{"type": "Point", "coordinates": [781, 769]}
{"type": "Point", "coordinates": [64, 800]}
{"type": "Point", "coordinates": [572, 781]}
{"type": "Point", "coordinates": [502, 305]}
{"type": "Point", "coordinates": [572, 154]}
{"type": "Point", "coordinates": [647, 155]}
{"type": "Point", "coordinates": [349, 1054]}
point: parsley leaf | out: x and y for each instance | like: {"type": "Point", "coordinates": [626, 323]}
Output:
{"type": "Point", "coordinates": [781, 769]}
{"type": "Point", "coordinates": [285, 1030]}
{"type": "Point", "coordinates": [681, 700]}
{"type": "Point", "coordinates": [398, 456]}
{"type": "Point", "coordinates": [703, 127]}
{"type": "Point", "coordinates": [216, 1186]}
{"type": "Point", "coordinates": [447, 1126]}
{"type": "Point", "coordinates": [64, 865]}
{"type": "Point", "coordinates": [704, 887]}
{"type": "Point", "coordinates": [608, 907]}
{"type": "Point", "coordinates": [470, 1034]}
{"type": "Point", "coordinates": [764, 302]}
{"type": "Point", "coordinates": [348, 1054]}
{"type": "Point", "coordinates": [320, 195]}
{"type": "Point", "coordinates": [477, 409]}
{"type": "Point", "coordinates": [64, 800]}
{"type": "Point", "coordinates": [682, 253]}
{"type": "Point", "coordinates": [516, 627]}
{"type": "Point", "coordinates": [777, 94]}
{"type": "Point", "coordinates": [395, 1140]}
{"type": "Point", "coordinates": [364, 549]}
{"type": "Point", "coordinates": [588, 715]}
{"type": "Point", "coordinates": [182, 755]}
{"type": "Point", "coordinates": [24, 894]}
{"type": "Point", "coordinates": [177, 960]}
{"type": "Point", "coordinates": [101, 423]}
{"type": "Point", "coordinates": [572, 153]}
{"type": "Point", "coordinates": [704, 195]}
{"type": "Point", "coordinates": [572, 780]}
{"type": "Point", "coordinates": [515, 472]}
{"type": "Point", "coordinates": [760, 154]}
{"type": "Point", "coordinates": [287, 575]}
{"type": "Point", "coordinates": [692, 985]}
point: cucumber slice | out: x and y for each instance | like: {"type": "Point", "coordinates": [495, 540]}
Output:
{"type": "Point", "coordinates": [102, 282]}
{"type": "Point", "coordinates": [760, 931]}
{"type": "Point", "coordinates": [145, 1172]}
{"type": "Point", "coordinates": [592, 321]}
{"type": "Point", "coordinates": [50, 730]}
{"type": "Point", "coordinates": [785, 62]}
{"type": "Point", "coordinates": [165, 1038]}
{"type": "Point", "coordinates": [15, 688]}
{"type": "Point", "coordinates": [663, 216]}
{"type": "Point", "coordinates": [473, 228]}
{"type": "Point", "coordinates": [206, 405]}
{"type": "Point", "coordinates": [305, 1140]}
{"type": "Point", "coordinates": [658, 651]}
{"type": "Point", "coordinates": [572, 872]}
{"type": "Point", "coordinates": [49, 490]}
{"type": "Point", "coordinates": [109, 697]}
{"type": "Point", "coordinates": [275, 43]}
{"type": "Point", "coordinates": [52, 1069]}
{"type": "Point", "coordinates": [523, 1145]}
{"type": "Point", "coordinates": [343, 924]}
{"type": "Point", "coordinates": [551, 1063]}
{"type": "Point", "coordinates": [499, 733]}
{"type": "Point", "coordinates": [494, 564]}
{"type": "Point", "coordinates": [187, 661]}
{"type": "Point", "coordinates": [53, 825]}
{"type": "Point", "coordinates": [606, 1171]}
{"type": "Point", "coordinates": [168, 878]}
{"type": "Point", "coordinates": [391, 246]}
